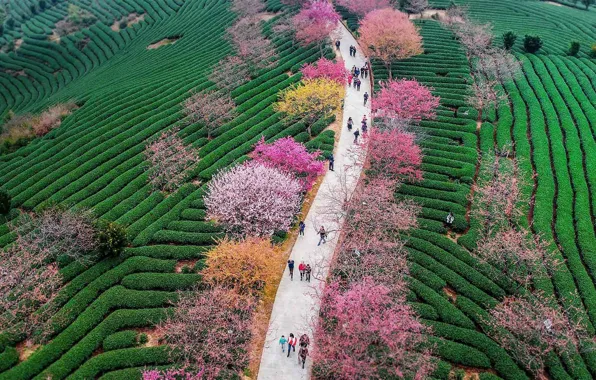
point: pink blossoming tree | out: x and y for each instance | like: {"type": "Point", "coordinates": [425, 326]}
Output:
{"type": "Point", "coordinates": [394, 154]}
{"type": "Point", "coordinates": [172, 374]}
{"type": "Point", "coordinates": [210, 108]}
{"type": "Point", "coordinates": [325, 68]}
{"type": "Point", "coordinates": [169, 160]}
{"type": "Point", "coordinates": [531, 328]}
{"type": "Point", "coordinates": [290, 157]}
{"type": "Point", "coordinates": [362, 7]}
{"type": "Point", "coordinates": [210, 330]}
{"type": "Point", "coordinates": [251, 44]}
{"type": "Point", "coordinates": [253, 199]}
{"type": "Point", "coordinates": [404, 99]}
{"type": "Point", "coordinates": [359, 318]}
{"type": "Point", "coordinates": [389, 35]}
{"type": "Point", "coordinates": [315, 22]}
{"type": "Point", "coordinates": [229, 73]}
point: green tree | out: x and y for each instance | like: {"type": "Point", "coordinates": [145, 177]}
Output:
{"type": "Point", "coordinates": [509, 39]}
{"type": "Point", "coordinates": [111, 238]}
{"type": "Point", "coordinates": [4, 201]}
{"type": "Point", "coordinates": [573, 49]}
{"type": "Point", "coordinates": [532, 43]}
{"type": "Point", "coordinates": [587, 3]}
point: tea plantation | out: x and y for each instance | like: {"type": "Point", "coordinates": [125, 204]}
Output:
{"type": "Point", "coordinates": [127, 94]}
{"type": "Point", "coordinates": [550, 124]}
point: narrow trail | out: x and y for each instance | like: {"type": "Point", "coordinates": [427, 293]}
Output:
{"type": "Point", "coordinates": [296, 305]}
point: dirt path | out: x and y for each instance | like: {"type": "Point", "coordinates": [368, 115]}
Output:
{"type": "Point", "coordinates": [295, 305]}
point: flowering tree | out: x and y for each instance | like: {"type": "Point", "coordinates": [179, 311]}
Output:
{"type": "Point", "coordinates": [248, 8]}
{"type": "Point", "coordinates": [519, 255]}
{"type": "Point", "coordinates": [315, 22]}
{"type": "Point", "coordinates": [325, 68]}
{"type": "Point", "coordinates": [498, 65]}
{"type": "Point", "coordinates": [530, 328]}
{"type": "Point", "coordinates": [417, 6]}
{"type": "Point", "coordinates": [212, 109]}
{"type": "Point", "coordinates": [404, 99]}
{"type": "Point", "coordinates": [485, 96]}
{"type": "Point", "coordinates": [389, 35]}
{"type": "Point", "coordinates": [229, 73]}
{"type": "Point", "coordinates": [476, 38]}
{"type": "Point", "coordinates": [245, 266]}
{"type": "Point", "coordinates": [362, 7]}
{"type": "Point", "coordinates": [365, 316]}
{"type": "Point", "coordinates": [252, 46]}
{"type": "Point", "coordinates": [169, 160]}
{"type": "Point", "coordinates": [56, 231]}
{"type": "Point", "coordinates": [290, 157]}
{"type": "Point", "coordinates": [253, 199]}
{"type": "Point", "coordinates": [28, 283]}
{"type": "Point", "coordinates": [209, 330]}
{"type": "Point", "coordinates": [394, 155]}
{"type": "Point", "coordinates": [311, 100]}
{"type": "Point", "coordinates": [171, 374]}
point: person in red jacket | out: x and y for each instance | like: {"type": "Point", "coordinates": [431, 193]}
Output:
{"type": "Point", "coordinates": [301, 268]}
{"type": "Point", "coordinates": [291, 344]}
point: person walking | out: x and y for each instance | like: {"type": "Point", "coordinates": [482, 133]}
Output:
{"type": "Point", "coordinates": [323, 235]}
{"type": "Point", "coordinates": [450, 219]}
{"type": "Point", "coordinates": [291, 344]}
{"type": "Point", "coordinates": [364, 128]}
{"type": "Point", "coordinates": [354, 51]}
{"type": "Point", "coordinates": [301, 227]}
{"type": "Point", "coordinates": [301, 268]}
{"type": "Point", "coordinates": [350, 124]}
{"type": "Point", "coordinates": [291, 268]}
{"type": "Point", "coordinates": [351, 50]}
{"type": "Point", "coordinates": [357, 72]}
{"type": "Point", "coordinates": [331, 162]}
{"type": "Point", "coordinates": [362, 71]}
{"type": "Point", "coordinates": [365, 98]}
{"type": "Point", "coordinates": [358, 83]}
{"type": "Point", "coordinates": [307, 271]}
{"type": "Point", "coordinates": [350, 77]}
{"type": "Point", "coordinates": [365, 71]}
{"type": "Point", "coordinates": [354, 70]}
{"type": "Point", "coordinates": [302, 354]}
{"type": "Point", "coordinates": [337, 43]}
{"type": "Point", "coordinates": [356, 134]}
{"type": "Point", "coordinates": [282, 343]}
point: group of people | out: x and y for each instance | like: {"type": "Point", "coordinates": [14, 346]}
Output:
{"type": "Point", "coordinates": [364, 124]}
{"type": "Point", "coordinates": [304, 341]}
{"type": "Point", "coordinates": [305, 270]}
{"type": "Point", "coordinates": [352, 50]}
{"type": "Point", "coordinates": [354, 76]}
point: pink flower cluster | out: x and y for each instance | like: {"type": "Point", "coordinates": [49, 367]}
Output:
{"type": "Point", "coordinates": [290, 157]}
{"type": "Point", "coordinates": [394, 154]}
{"type": "Point", "coordinates": [325, 68]}
{"type": "Point", "coordinates": [405, 99]}
{"type": "Point", "coordinates": [171, 374]}
{"type": "Point", "coordinates": [315, 21]}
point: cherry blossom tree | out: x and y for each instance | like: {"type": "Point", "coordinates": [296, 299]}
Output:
{"type": "Point", "coordinates": [498, 65]}
{"type": "Point", "coordinates": [230, 73]}
{"type": "Point", "coordinates": [171, 374]}
{"type": "Point", "coordinates": [256, 50]}
{"type": "Point", "coordinates": [29, 281]}
{"type": "Point", "coordinates": [394, 155]}
{"type": "Point", "coordinates": [290, 157]}
{"type": "Point", "coordinates": [252, 199]}
{"type": "Point", "coordinates": [210, 330]}
{"type": "Point", "coordinates": [315, 22]}
{"type": "Point", "coordinates": [417, 6]}
{"type": "Point", "coordinates": [485, 95]}
{"type": "Point", "coordinates": [362, 7]}
{"type": "Point", "coordinates": [519, 255]}
{"type": "Point", "coordinates": [476, 38]}
{"type": "Point", "coordinates": [325, 68]}
{"type": "Point", "coordinates": [531, 328]}
{"type": "Point", "coordinates": [363, 316]}
{"type": "Point", "coordinates": [454, 16]}
{"type": "Point", "coordinates": [389, 35]}
{"type": "Point", "coordinates": [56, 231]}
{"type": "Point", "coordinates": [404, 99]}
{"type": "Point", "coordinates": [169, 160]}
{"type": "Point", "coordinates": [212, 109]}
{"type": "Point", "coordinates": [246, 266]}
{"type": "Point", "coordinates": [248, 8]}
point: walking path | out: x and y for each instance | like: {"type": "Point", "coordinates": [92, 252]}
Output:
{"type": "Point", "coordinates": [295, 306]}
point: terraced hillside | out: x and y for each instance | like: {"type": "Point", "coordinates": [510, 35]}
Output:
{"type": "Point", "coordinates": [550, 124]}
{"type": "Point", "coordinates": [128, 94]}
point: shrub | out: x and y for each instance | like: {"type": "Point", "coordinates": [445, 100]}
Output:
{"type": "Point", "coordinates": [509, 39]}
{"type": "Point", "coordinates": [573, 48]}
{"type": "Point", "coordinates": [593, 51]}
{"type": "Point", "coordinates": [111, 238]}
{"type": "Point", "coordinates": [532, 43]}
{"type": "Point", "coordinates": [4, 201]}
